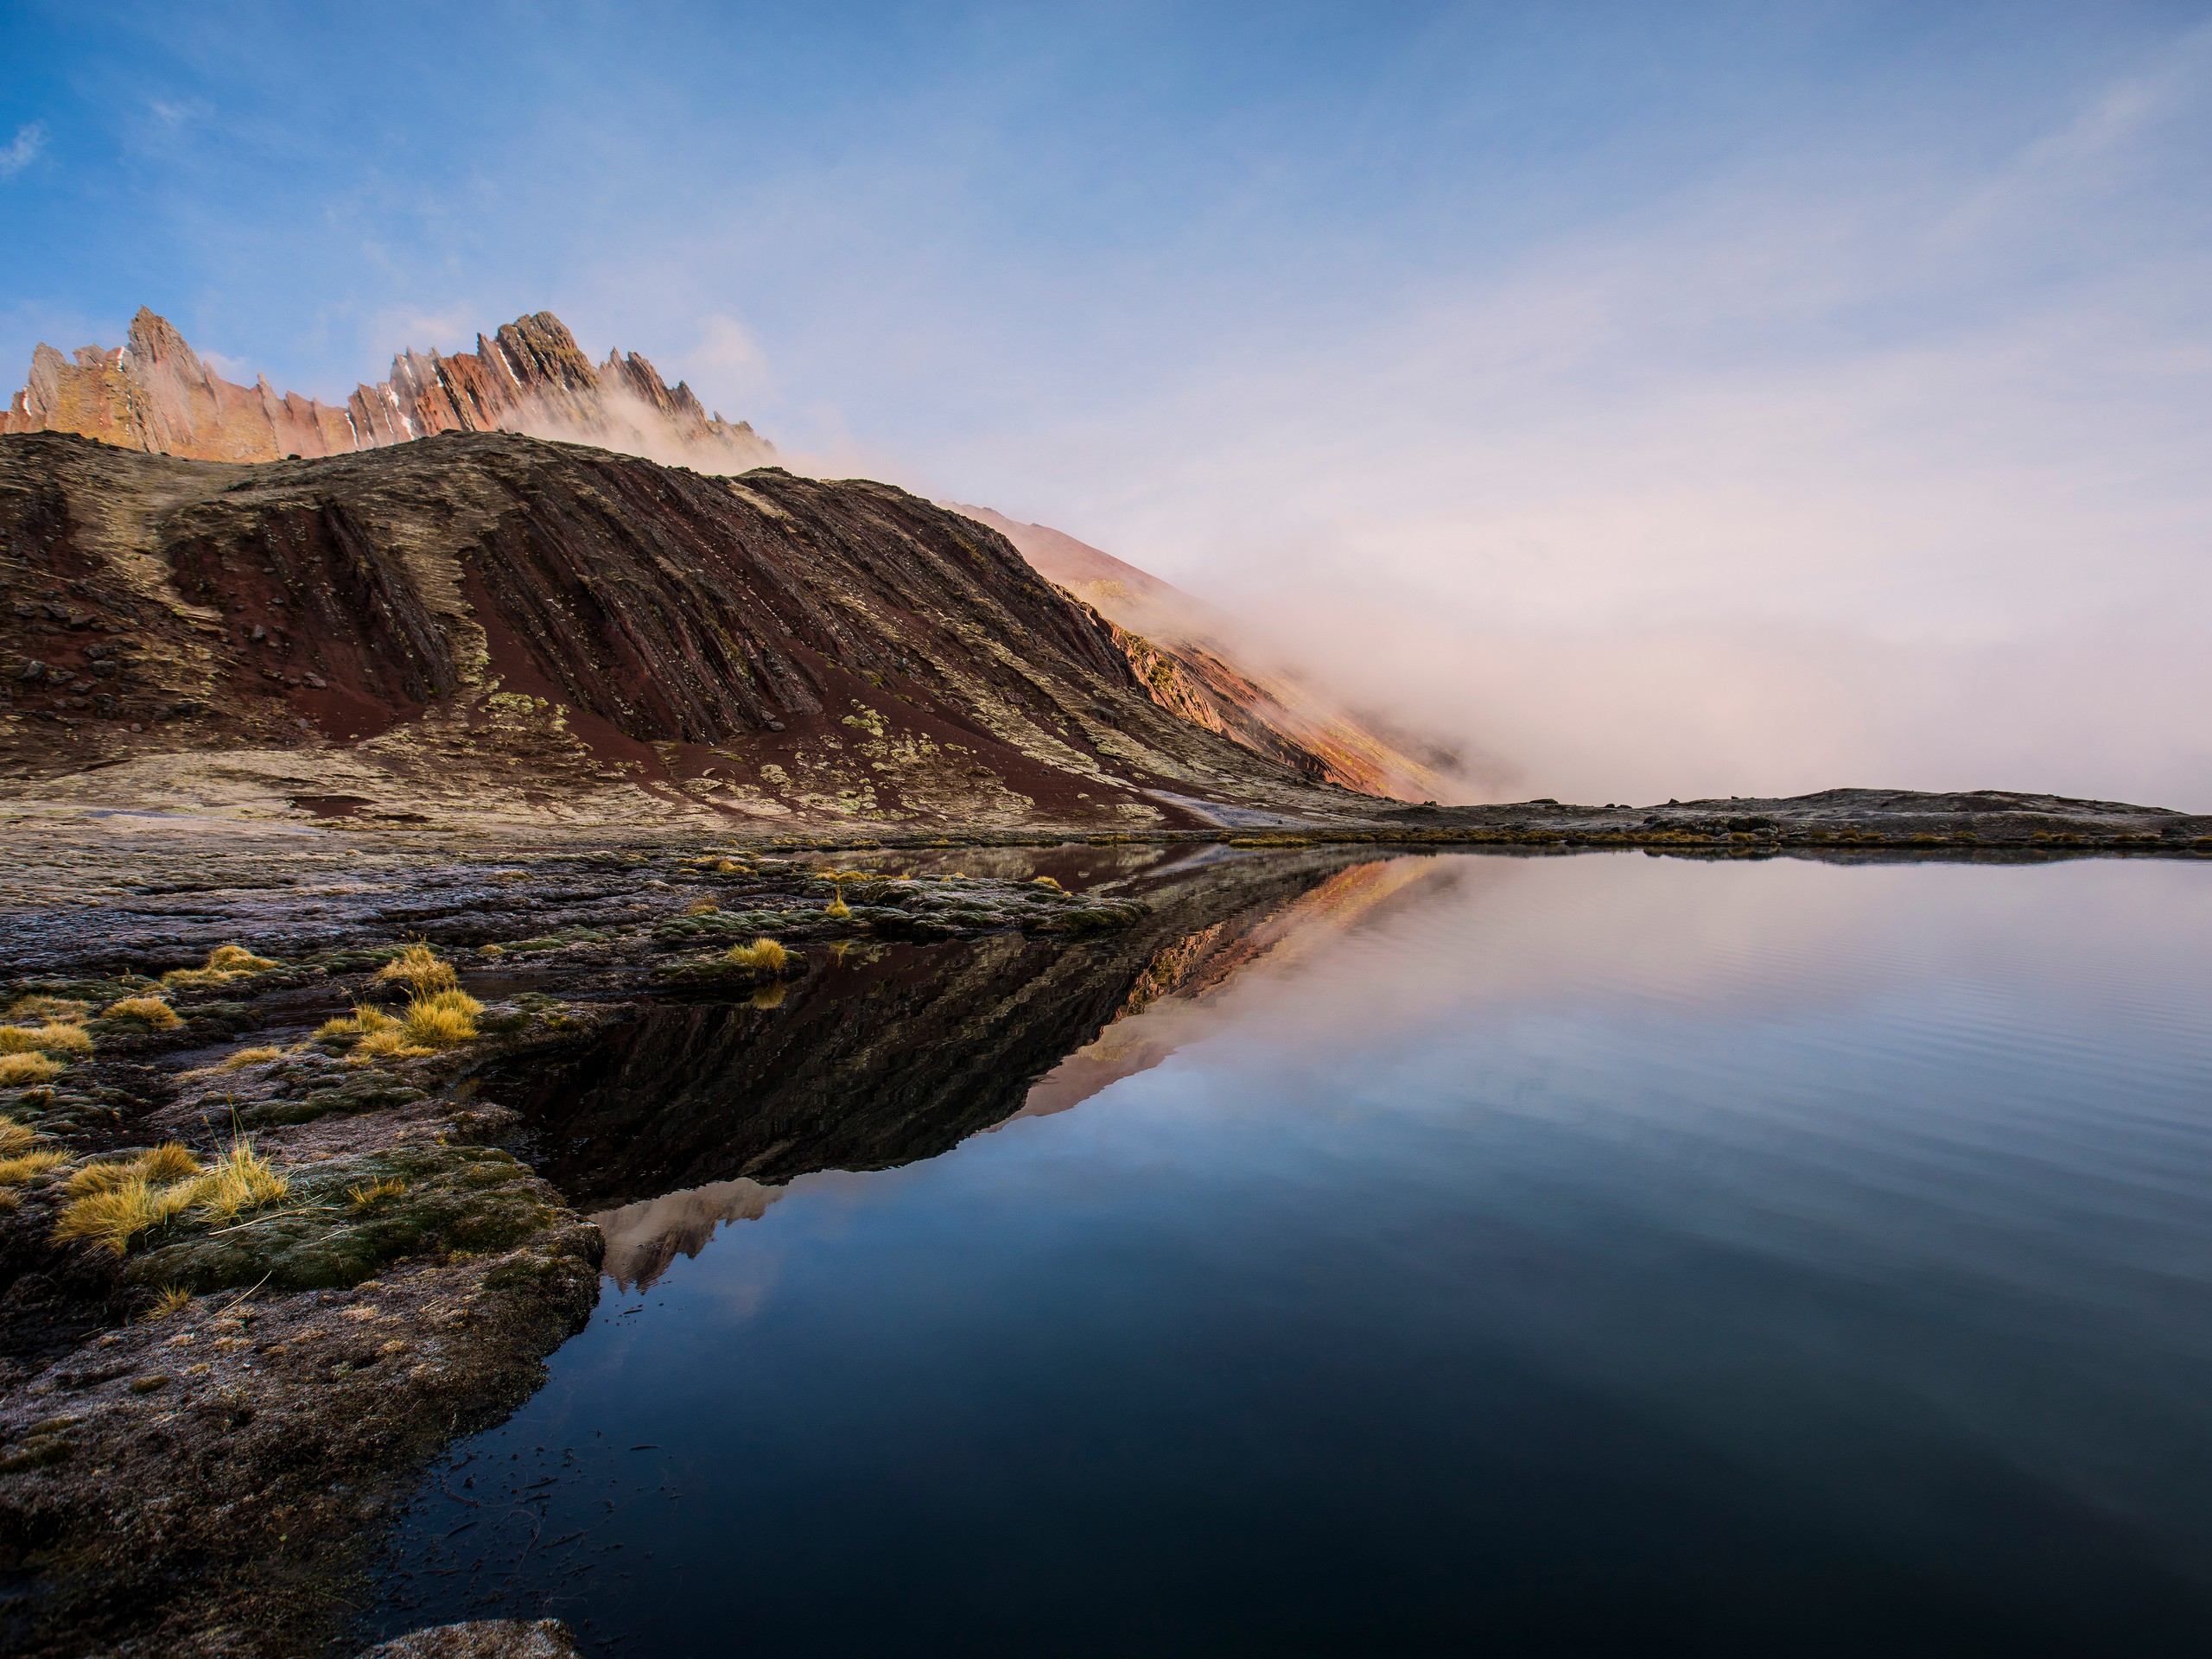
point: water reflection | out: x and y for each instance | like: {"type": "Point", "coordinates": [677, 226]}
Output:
{"type": "Point", "coordinates": [676, 1119]}
{"type": "Point", "coordinates": [1534, 1256]}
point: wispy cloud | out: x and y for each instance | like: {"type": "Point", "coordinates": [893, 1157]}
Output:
{"type": "Point", "coordinates": [29, 141]}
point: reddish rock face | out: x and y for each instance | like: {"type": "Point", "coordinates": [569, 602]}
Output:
{"type": "Point", "coordinates": [153, 394]}
{"type": "Point", "coordinates": [487, 620]}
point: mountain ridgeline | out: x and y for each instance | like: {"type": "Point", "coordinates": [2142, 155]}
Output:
{"type": "Point", "coordinates": [154, 393]}
{"type": "Point", "coordinates": [489, 623]}
{"type": "Point", "coordinates": [364, 662]}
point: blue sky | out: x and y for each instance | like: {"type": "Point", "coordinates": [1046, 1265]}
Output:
{"type": "Point", "coordinates": [1655, 397]}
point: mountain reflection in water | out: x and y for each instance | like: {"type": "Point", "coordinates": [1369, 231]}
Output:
{"type": "Point", "coordinates": [688, 1116]}
{"type": "Point", "coordinates": [1538, 1255]}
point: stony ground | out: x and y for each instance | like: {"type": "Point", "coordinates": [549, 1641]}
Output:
{"type": "Point", "coordinates": [195, 1432]}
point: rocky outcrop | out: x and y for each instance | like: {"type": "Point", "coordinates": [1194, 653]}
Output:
{"type": "Point", "coordinates": [1179, 647]}
{"type": "Point", "coordinates": [485, 622]}
{"type": "Point", "coordinates": [155, 394]}
{"type": "Point", "coordinates": [483, 1638]}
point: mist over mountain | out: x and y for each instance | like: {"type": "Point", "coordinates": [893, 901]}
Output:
{"type": "Point", "coordinates": [614, 611]}
{"type": "Point", "coordinates": [1195, 657]}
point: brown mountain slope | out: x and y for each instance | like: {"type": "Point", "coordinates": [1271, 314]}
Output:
{"type": "Point", "coordinates": [153, 394]}
{"type": "Point", "coordinates": [486, 623]}
{"type": "Point", "coordinates": [1175, 644]}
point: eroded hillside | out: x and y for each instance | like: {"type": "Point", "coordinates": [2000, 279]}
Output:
{"type": "Point", "coordinates": [483, 624]}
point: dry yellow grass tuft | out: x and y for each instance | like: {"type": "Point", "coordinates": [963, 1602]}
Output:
{"type": "Point", "coordinates": [68, 1009]}
{"type": "Point", "coordinates": [761, 953]}
{"type": "Point", "coordinates": [241, 1179]}
{"type": "Point", "coordinates": [98, 1178]}
{"type": "Point", "coordinates": [246, 1057]}
{"type": "Point", "coordinates": [390, 1043]}
{"type": "Point", "coordinates": [17, 1137]}
{"type": "Point", "coordinates": [19, 1167]}
{"type": "Point", "coordinates": [442, 1020]}
{"type": "Point", "coordinates": [224, 964]}
{"type": "Point", "coordinates": [1044, 882]}
{"type": "Point", "coordinates": [168, 1300]}
{"type": "Point", "coordinates": [115, 1216]}
{"type": "Point", "coordinates": [54, 1039]}
{"type": "Point", "coordinates": [170, 1161]}
{"type": "Point", "coordinates": [701, 907]}
{"type": "Point", "coordinates": [419, 969]}
{"type": "Point", "coordinates": [149, 1012]}
{"type": "Point", "coordinates": [837, 907]}
{"type": "Point", "coordinates": [369, 1195]}
{"type": "Point", "coordinates": [364, 1021]}
{"type": "Point", "coordinates": [17, 1070]}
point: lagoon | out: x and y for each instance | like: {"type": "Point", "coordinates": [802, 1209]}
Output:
{"type": "Point", "coordinates": [1547, 1254]}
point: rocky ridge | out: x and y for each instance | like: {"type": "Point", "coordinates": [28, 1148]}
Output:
{"type": "Point", "coordinates": [155, 394]}
{"type": "Point", "coordinates": [489, 626]}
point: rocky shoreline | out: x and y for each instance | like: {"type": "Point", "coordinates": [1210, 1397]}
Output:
{"type": "Point", "coordinates": [205, 1418]}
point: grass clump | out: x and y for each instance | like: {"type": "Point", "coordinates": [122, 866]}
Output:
{"type": "Point", "coordinates": [367, 1195]}
{"type": "Point", "coordinates": [170, 1161]}
{"type": "Point", "coordinates": [443, 1019]}
{"type": "Point", "coordinates": [17, 1137]}
{"type": "Point", "coordinates": [116, 1215]}
{"type": "Point", "coordinates": [420, 969]}
{"type": "Point", "coordinates": [168, 1301]}
{"type": "Point", "coordinates": [20, 1167]}
{"type": "Point", "coordinates": [837, 908]}
{"type": "Point", "coordinates": [224, 964]}
{"type": "Point", "coordinates": [113, 1204]}
{"type": "Point", "coordinates": [56, 1037]}
{"type": "Point", "coordinates": [40, 1009]}
{"type": "Point", "coordinates": [239, 1180]}
{"type": "Point", "coordinates": [390, 1043]}
{"type": "Point", "coordinates": [762, 953]}
{"type": "Point", "coordinates": [364, 1021]}
{"type": "Point", "coordinates": [17, 1070]}
{"type": "Point", "coordinates": [147, 1012]}
{"type": "Point", "coordinates": [701, 907]}
{"type": "Point", "coordinates": [246, 1057]}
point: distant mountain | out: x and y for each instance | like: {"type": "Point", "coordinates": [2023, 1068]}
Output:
{"type": "Point", "coordinates": [155, 394]}
{"type": "Point", "coordinates": [1178, 647]}
{"type": "Point", "coordinates": [776, 647]}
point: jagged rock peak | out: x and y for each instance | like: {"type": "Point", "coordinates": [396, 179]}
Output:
{"type": "Point", "coordinates": [155, 394]}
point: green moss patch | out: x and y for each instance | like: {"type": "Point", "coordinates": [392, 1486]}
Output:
{"type": "Point", "coordinates": [473, 1200]}
{"type": "Point", "coordinates": [362, 1091]}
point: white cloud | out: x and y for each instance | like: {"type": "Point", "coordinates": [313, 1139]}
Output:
{"type": "Point", "coordinates": [29, 141]}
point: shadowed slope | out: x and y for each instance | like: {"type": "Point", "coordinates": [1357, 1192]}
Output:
{"type": "Point", "coordinates": [1175, 645]}
{"type": "Point", "coordinates": [487, 620]}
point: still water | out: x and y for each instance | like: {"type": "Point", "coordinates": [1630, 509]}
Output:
{"type": "Point", "coordinates": [1536, 1255]}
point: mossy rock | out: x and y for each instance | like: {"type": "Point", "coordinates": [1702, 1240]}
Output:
{"type": "Point", "coordinates": [721, 972]}
{"type": "Point", "coordinates": [97, 992]}
{"type": "Point", "coordinates": [366, 1091]}
{"type": "Point", "coordinates": [472, 1199]}
{"type": "Point", "coordinates": [1096, 919]}
{"type": "Point", "coordinates": [710, 924]}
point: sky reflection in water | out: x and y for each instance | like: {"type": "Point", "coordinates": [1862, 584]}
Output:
{"type": "Point", "coordinates": [1545, 1255]}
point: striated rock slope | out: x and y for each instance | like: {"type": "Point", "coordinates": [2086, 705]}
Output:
{"type": "Point", "coordinates": [1175, 644]}
{"type": "Point", "coordinates": [485, 623]}
{"type": "Point", "coordinates": [153, 394]}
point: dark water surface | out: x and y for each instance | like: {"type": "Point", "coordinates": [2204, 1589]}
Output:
{"type": "Point", "coordinates": [1560, 1255]}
